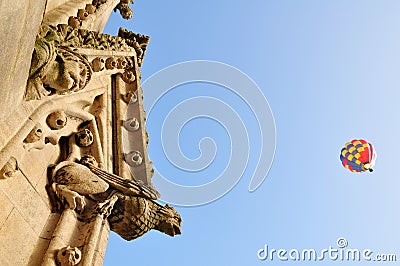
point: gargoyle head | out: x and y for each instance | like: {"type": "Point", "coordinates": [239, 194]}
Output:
{"type": "Point", "coordinates": [68, 256]}
{"type": "Point", "coordinates": [171, 220]}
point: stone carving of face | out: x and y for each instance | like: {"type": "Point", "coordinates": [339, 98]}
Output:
{"type": "Point", "coordinates": [89, 159]}
{"type": "Point", "coordinates": [171, 221]}
{"type": "Point", "coordinates": [66, 74]}
{"type": "Point", "coordinates": [57, 120]}
{"type": "Point", "coordinates": [84, 138]}
{"type": "Point", "coordinates": [55, 69]}
{"type": "Point", "coordinates": [69, 256]}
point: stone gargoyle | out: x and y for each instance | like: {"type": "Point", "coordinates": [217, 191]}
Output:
{"type": "Point", "coordinates": [129, 205]}
{"type": "Point", "coordinates": [55, 69]}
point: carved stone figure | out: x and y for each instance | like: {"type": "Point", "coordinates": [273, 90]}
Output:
{"type": "Point", "coordinates": [129, 204]}
{"type": "Point", "coordinates": [69, 256]}
{"type": "Point", "coordinates": [9, 169]}
{"type": "Point", "coordinates": [73, 181]}
{"type": "Point", "coordinates": [132, 217]}
{"type": "Point", "coordinates": [125, 9]}
{"type": "Point", "coordinates": [57, 120]}
{"type": "Point", "coordinates": [55, 69]}
{"type": "Point", "coordinates": [84, 138]}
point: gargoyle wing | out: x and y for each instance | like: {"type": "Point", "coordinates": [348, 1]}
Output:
{"type": "Point", "coordinates": [126, 186]}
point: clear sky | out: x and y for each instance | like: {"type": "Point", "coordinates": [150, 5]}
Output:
{"type": "Point", "coordinates": [330, 72]}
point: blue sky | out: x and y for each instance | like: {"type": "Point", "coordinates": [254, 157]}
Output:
{"type": "Point", "coordinates": [329, 70]}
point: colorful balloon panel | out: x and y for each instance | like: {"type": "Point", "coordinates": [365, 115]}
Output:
{"type": "Point", "coordinates": [358, 155]}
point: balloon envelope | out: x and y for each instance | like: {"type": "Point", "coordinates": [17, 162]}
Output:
{"type": "Point", "coordinates": [358, 155]}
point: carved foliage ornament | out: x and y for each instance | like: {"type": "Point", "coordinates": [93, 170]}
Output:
{"type": "Point", "coordinates": [137, 41]}
{"type": "Point", "coordinates": [58, 67]}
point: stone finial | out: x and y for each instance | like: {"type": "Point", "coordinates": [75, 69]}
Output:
{"type": "Point", "coordinates": [125, 9]}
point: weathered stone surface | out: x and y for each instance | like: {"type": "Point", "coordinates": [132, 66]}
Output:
{"type": "Point", "coordinates": [16, 232]}
{"type": "Point", "coordinates": [32, 163]}
{"type": "Point", "coordinates": [26, 200]}
{"type": "Point", "coordinates": [6, 208]}
{"type": "Point", "coordinates": [19, 23]}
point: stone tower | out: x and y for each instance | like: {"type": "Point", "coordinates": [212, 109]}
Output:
{"type": "Point", "coordinates": [71, 97]}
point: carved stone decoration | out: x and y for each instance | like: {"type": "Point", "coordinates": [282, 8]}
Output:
{"type": "Point", "coordinates": [125, 186]}
{"type": "Point", "coordinates": [137, 41]}
{"type": "Point", "coordinates": [35, 135]}
{"type": "Point", "coordinates": [55, 69]}
{"type": "Point", "coordinates": [132, 217]}
{"type": "Point", "coordinates": [98, 64]}
{"type": "Point", "coordinates": [38, 137]}
{"type": "Point", "coordinates": [74, 22]}
{"type": "Point", "coordinates": [90, 8]}
{"type": "Point", "coordinates": [73, 181]}
{"type": "Point", "coordinates": [82, 14]}
{"type": "Point", "coordinates": [134, 158]}
{"type": "Point", "coordinates": [58, 68]}
{"type": "Point", "coordinates": [128, 76]}
{"type": "Point", "coordinates": [57, 120]}
{"type": "Point", "coordinates": [130, 207]}
{"type": "Point", "coordinates": [111, 63]}
{"type": "Point", "coordinates": [69, 256]}
{"type": "Point", "coordinates": [130, 97]}
{"type": "Point", "coordinates": [125, 9]}
{"type": "Point", "coordinates": [121, 63]}
{"type": "Point", "coordinates": [132, 124]}
{"type": "Point", "coordinates": [84, 138]}
{"type": "Point", "coordinates": [10, 168]}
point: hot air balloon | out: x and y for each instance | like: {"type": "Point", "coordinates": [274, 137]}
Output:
{"type": "Point", "coordinates": [358, 155]}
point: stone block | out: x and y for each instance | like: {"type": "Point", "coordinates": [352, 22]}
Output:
{"type": "Point", "coordinates": [6, 208]}
{"type": "Point", "coordinates": [41, 189]}
{"type": "Point", "coordinates": [18, 240]}
{"type": "Point", "coordinates": [26, 200]}
{"type": "Point", "coordinates": [34, 162]}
